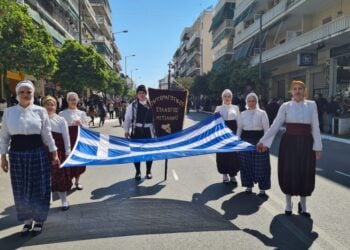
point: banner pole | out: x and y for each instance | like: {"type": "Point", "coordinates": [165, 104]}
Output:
{"type": "Point", "coordinates": [166, 170]}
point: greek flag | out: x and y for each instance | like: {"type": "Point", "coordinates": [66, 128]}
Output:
{"type": "Point", "coordinates": [208, 136]}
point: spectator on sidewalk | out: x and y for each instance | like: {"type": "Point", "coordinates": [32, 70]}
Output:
{"type": "Point", "coordinates": [228, 163]}
{"type": "Point", "coordinates": [111, 110]}
{"type": "Point", "coordinates": [61, 178]}
{"type": "Point", "coordinates": [299, 149]}
{"type": "Point", "coordinates": [101, 113]}
{"type": "Point", "coordinates": [74, 118]}
{"type": "Point", "coordinates": [254, 166]}
{"type": "Point", "coordinates": [91, 113]}
{"type": "Point", "coordinates": [26, 129]}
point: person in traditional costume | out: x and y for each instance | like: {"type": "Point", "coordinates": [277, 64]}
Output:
{"type": "Point", "coordinates": [139, 118]}
{"type": "Point", "coordinates": [74, 118]}
{"type": "Point", "coordinates": [61, 178]}
{"type": "Point", "coordinates": [228, 163]}
{"type": "Point", "coordinates": [26, 129]}
{"type": "Point", "coordinates": [254, 166]}
{"type": "Point", "coordinates": [299, 149]}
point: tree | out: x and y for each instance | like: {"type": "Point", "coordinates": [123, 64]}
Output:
{"type": "Point", "coordinates": [115, 84]}
{"type": "Point", "coordinates": [24, 46]}
{"type": "Point", "coordinates": [81, 67]}
{"type": "Point", "coordinates": [185, 82]}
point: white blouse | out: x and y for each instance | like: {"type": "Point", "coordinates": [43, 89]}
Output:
{"type": "Point", "coordinates": [304, 112]}
{"type": "Point", "coordinates": [59, 125]}
{"type": "Point", "coordinates": [229, 113]}
{"type": "Point", "coordinates": [25, 121]}
{"type": "Point", "coordinates": [72, 115]}
{"type": "Point", "coordinates": [255, 119]}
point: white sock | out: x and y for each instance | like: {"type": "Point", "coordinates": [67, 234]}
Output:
{"type": "Point", "coordinates": [289, 205]}
{"type": "Point", "coordinates": [63, 197]}
{"type": "Point", "coordinates": [303, 203]}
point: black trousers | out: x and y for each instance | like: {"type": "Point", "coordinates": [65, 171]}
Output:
{"type": "Point", "coordinates": [142, 133]}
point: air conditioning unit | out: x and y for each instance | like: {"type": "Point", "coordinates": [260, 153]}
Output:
{"type": "Point", "coordinates": [292, 34]}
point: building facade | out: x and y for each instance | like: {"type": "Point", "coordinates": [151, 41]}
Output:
{"type": "Point", "coordinates": [194, 55]}
{"type": "Point", "coordinates": [298, 39]}
{"type": "Point", "coordinates": [61, 20]}
{"type": "Point", "coordinates": [222, 30]}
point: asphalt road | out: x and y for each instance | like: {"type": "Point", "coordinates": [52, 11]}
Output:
{"type": "Point", "coordinates": [192, 209]}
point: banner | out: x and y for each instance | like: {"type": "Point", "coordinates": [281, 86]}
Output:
{"type": "Point", "coordinates": [208, 136]}
{"type": "Point", "coordinates": [169, 108]}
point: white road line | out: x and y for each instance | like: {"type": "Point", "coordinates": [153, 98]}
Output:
{"type": "Point", "coordinates": [342, 173]}
{"type": "Point", "coordinates": [175, 175]}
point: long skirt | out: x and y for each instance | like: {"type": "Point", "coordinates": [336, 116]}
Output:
{"type": "Point", "coordinates": [297, 161]}
{"type": "Point", "coordinates": [73, 134]}
{"type": "Point", "coordinates": [30, 179]}
{"type": "Point", "coordinates": [255, 166]}
{"type": "Point", "coordinates": [61, 178]}
{"type": "Point", "coordinates": [228, 163]}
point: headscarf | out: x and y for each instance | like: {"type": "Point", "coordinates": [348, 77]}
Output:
{"type": "Point", "coordinates": [69, 94]}
{"type": "Point", "coordinates": [226, 91]}
{"type": "Point", "coordinates": [48, 98]}
{"type": "Point", "coordinates": [25, 83]}
{"type": "Point", "coordinates": [252, 94]}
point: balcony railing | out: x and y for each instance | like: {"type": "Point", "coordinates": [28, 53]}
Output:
{"type": "Point", "coordinates": [101, 4]}
{"type": "Point", "coordinates": [192, 39]}
{"type": "Point", "coordinates": [102, 39]}
{"type": "Point", "coordinates": [316, 35]}
{"type": "Point", "coordinates": [226, 24]}
{"type": "Point", "coordinates": [266, 19]}
{"type": "Point", "coordinates": [193, 54]}
{"type": "Point", "coordinates": [91, 12]}
{"type": "Point", "coordinates": [104, 24]}
{"type": "Point", "coordinates": [227, 50]}
{"type": "Point", "coordinates": [242, 7]}
{"type": "Point", "coordinates": [192, 69]}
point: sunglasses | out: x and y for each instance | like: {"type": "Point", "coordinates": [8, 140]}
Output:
{"type": "Point", "coordinates": [25, 92]}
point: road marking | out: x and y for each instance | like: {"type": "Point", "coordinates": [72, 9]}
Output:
{"type": "Point", "coordinates": [175, 175]}
{"type": "Point", "coordinates": [342, 173]}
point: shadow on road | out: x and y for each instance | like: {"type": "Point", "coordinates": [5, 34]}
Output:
{"type": "Point", "coordinates": [294, 232]}
{"type": "Point", "coordinates": [123, 213]}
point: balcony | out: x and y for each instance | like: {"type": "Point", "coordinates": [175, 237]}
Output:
{"type": "Point", "coordinates": [106, 29]}
{"type": "Point", "coordinates": [226, 24]}
{"type": "Point", "coordinates": [227, 50]}
{"type": "Point", "coordinates": [193, 54]}
{"type": "Point", "coordinates": [322, 33]}
{"type": "Point", "coordinates": [90, 15]}
{"type": "Point", "coordinates": [254, 28]}
{"type": "Point", "coordinates": [242, 7]}
{"type": "Point", "coordinates": [193, 38]}
{"type": "Point", "coordinates": [193, 70]}
{"type": "Point", "coordinates": [102, 39]}
{"type": "Point", "coordinates": [101, 8]}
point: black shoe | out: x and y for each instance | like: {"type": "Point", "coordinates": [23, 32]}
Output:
{"type": "Point", "coordinates": [37, 229]}
{"type": "Point", "coordinates": [263, 195]}
{"type": "Point", "coordinates": [78, 186]}
{"type": "Point", "coordinates": [137, 176]}
{"type": "Point", "coordinates": [149, 176]}
{"type": "Point", "coordinates": [288, 213]}
{"type": "Point", "coordinates": [26, 229]}
{"type": "Point", "coordinates": [65, 208]}
{"type": "Point", "coordinates": [301, 212]}
{"type": "Point", "coordinates": [248, 192]}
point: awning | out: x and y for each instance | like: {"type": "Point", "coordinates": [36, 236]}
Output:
{"type": "Point", "coordinates": [54, 33]}
{"type": "Point", "coordinates": [247, 12]}
{"type": "Point", "coordinates": [34, 15]}
{"type": "Point", "coordinates": [226, 12]}
{"type": "Point", "coordinates": [242, 51]}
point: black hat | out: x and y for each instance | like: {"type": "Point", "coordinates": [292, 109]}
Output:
{"type": "Point", "coordinates": [141, 88]}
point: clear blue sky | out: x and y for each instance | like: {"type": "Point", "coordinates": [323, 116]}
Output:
{"type": "Point", "coordinates": [154, 33]}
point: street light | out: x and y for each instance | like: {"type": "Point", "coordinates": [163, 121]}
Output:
{"type": "Point", "coordinates": [126, 71]}
{"type": "Point", "coordinates": [123, 31]}
{"type": "Point", "coordinates": [131, 75]}
{"type": "Point", "coordinates": [169, 72]}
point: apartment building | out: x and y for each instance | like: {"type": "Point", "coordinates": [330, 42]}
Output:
{"type": "Point", "coordinates": [222, 30]}
{"type": "Point", "coordinates": [194, 55]}
{"type": "Point", "coordinates": [61, 20]}
{"type": "Point", "coordinates": [300, 39]}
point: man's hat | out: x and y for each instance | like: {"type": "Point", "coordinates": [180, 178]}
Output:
{"type": "Point", "coordinates": [141, 88]}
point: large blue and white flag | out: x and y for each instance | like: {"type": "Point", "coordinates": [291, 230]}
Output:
{"type": "Point", "coordinates": [208, 136]}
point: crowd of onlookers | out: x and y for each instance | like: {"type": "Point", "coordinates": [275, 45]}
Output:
{"type": "Point", "coordinates": [327, 108]}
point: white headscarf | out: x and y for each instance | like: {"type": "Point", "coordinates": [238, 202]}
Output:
{"type": "Point", "coordinates": [25, 83]}
{"type": "Point", "coordinates": [226, 91]}
{"type": "Point", "coordinates": [256, 98]}
{"type": "Point", "coordinates": [69, 94]}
